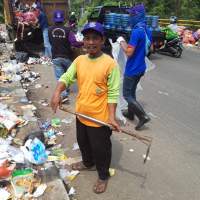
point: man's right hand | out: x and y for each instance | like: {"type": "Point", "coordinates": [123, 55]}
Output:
{"type": "Point", "coordinates": [55, 101]}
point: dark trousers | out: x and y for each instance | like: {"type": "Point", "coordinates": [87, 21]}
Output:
{"type": "Point", "coordinates": [130, 86]}
{"type": "Point", "coordinates": [95, 146]}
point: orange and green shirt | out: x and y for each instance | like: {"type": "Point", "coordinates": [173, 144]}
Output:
{"type": "Point", "coordinates": [98, 84]}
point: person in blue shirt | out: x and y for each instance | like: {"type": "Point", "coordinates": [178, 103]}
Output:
{"type": "Point", "coordinates": [43, 22]}
{"type": "Point", "coordinates": [135, 66]}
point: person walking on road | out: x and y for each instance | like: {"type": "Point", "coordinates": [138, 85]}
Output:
{"type": "Point", "coordinates": [61, 40]}
{"type": "Point", "coordinates": [135, 66]}
{"type": "Point", "coordinates": [98, 79]}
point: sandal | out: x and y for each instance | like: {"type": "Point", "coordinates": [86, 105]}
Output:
{"type": "Point", "coordinates": [100, 186]}
{"type": "Point", "coordinates": [80, 167]}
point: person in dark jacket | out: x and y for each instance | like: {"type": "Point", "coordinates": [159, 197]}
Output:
{"type": "Point", "coordinates": [61, 40]}
{"type": "Point", "coordinates": [44, 27]}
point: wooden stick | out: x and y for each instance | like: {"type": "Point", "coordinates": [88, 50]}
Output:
{"type": "Point", "coordinates": [144, 139]}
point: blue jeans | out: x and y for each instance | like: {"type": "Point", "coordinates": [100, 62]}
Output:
{"type": "Point", "coordinates": [129, 87]}
{"type": "Point", "coordinates": [47, 45]}
{"type": "Point", "coordinates": [60, 67]}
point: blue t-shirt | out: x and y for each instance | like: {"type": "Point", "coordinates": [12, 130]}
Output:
{"type": "Point", "coordinates": [136, 63]}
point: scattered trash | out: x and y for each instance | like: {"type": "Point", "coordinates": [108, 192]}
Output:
{"type": "Point", "coordinates": [44, 102]}
{"type": "Point", "coordinates": [45, 125]}
{"type": "Point", "coordinates": [4, 194]}
{"type": "Point", "coordinates": [75, 147]}
{"type": "Point", "coordinates": [131, 150]}
{"type": "Point", "coordinates": [8, 118]}
{"type": "Point", "coordinates": [36, 134]}
{"type": "Point", "coordinates": [28, 112]}
{"type": "Point", "coordinates": [34, 151]}
{"type": "Point", "coordinates": [60, 133]}
{"type": "Point", "coordinates": [72, 191]}
{"type": "Point", "coordinates": [23, 182]}
{"type": "Point", "coordinates": [37, 86]}
{"type": "Point", "coordinates": [42, 60]}
{"type": "Point", "coordinates": [6, 169]}
{"type": "Point", "coordinates": [56, 122]}
{"type": "Point", "coordinates": [71, 161]}
{"type": "Point", "coordinates": [112, 172]}
{"type": "Point", "coordinates": [50, 133]}
{"type": "Point", "coordinates": [40, 191]}
{"type": "Point", "coordinates": [144, 156]}
{"type": "Point", "coordinates": [164, 93]}
{"type": "Point", "coordinates": [67, 120]}
{"type": "Point", "coordinates": [24, 100]}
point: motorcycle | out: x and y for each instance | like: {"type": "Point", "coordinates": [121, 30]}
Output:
{"type": "Point", "coordinates": [173, 47]}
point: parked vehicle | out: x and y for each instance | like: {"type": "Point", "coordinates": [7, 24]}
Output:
{"type": "Point", "coordinates": [111, 14]}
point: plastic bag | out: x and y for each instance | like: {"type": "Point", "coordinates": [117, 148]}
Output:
{"type": "Point", "coordinates": [34, 151]}
{"type": "Point", "coordinates": [120, 57]}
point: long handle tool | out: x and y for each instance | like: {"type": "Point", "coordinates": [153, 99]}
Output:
{"type": "Point", "coordinates": [144, 139]}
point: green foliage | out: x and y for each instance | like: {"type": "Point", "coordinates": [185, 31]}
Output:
{"type": "Point", "coordinates": [184, 9]}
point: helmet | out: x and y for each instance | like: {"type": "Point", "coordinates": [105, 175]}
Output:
{"type": "Point", "coordinates": [58, 16]}
{"type": "Point", "coordinates": [173, 20]}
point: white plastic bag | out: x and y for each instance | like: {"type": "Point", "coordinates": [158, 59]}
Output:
{"type": "Point", "coordinates": [121, 58]}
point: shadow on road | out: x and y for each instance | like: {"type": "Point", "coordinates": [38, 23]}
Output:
{"type": "Point", "coordinates": [117, 154]}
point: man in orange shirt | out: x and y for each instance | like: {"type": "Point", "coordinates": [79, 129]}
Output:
{"type": "Point", "coordinates": [98, 79]}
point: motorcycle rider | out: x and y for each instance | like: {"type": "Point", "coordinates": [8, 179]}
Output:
{"type": "Point", "coordinates": [173, 24]}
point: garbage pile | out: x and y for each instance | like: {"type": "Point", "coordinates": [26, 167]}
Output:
{"type": "Point", "coordinates": [42, 61]}
{"type": "Point", "coordinates": [23, 166]}
{"type": "Point", "coordinates": [18, 179]}
{"type": "Point", "coordinates": [189, 37]}
{"type": "Point", "coordinates": [12, 71]}
{"type": "Point", "coordinates": [3, 33]}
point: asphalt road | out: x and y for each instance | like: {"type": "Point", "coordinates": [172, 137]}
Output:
{"type": "Point", "coordinates": [171, 95]}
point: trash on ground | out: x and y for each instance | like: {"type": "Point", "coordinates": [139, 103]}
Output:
{"type": "Point", "coordinates": [67, 120]}
{"type": "Point", "coordinates": [163, 93]}
{"type": "Point", "coordinates": [112, 172]}
{"type": "Point", "coordinates": [71, 161]}
{"type": "Point", "coordinates": [72, 191]}
{"type": "Point", "coordinates": [6, 169]}
{"type": "Point", "coordinates": [56, 122]}
{"type": "Point", "coordinates": [40, 190]}
{"type": "Point", "coordinates": [37, 86]}
{"type": "Point", "coordinates": [4, 194]}
{"type": "Point", "coordinates": [144, 156]}
{"type": "Point", "coordinates": [23, 181]}
{"type": "Point", "coordinates": [34, 151]}
{"type": "Point", "coordinates": [131, 150]}
{"type": "Point", "coordinates": [75, 146]}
